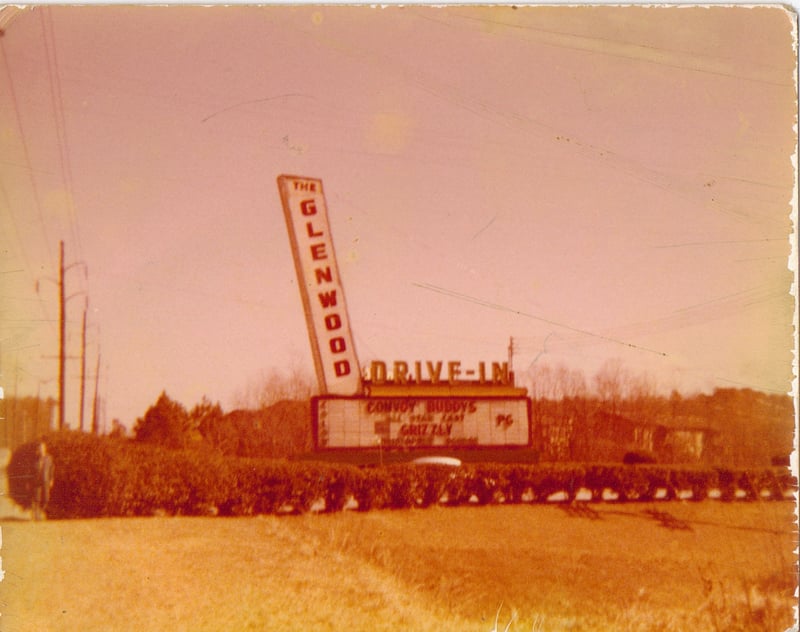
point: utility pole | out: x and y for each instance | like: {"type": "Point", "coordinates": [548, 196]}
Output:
{"type": "Point", "coordinates": [95, 426]}
{"type": "Point", "coordinates": [511, 357]}
{"type": "Point", "coordinates": [62, 329]}
{"type": "Point", "coordinates": [83, 363]}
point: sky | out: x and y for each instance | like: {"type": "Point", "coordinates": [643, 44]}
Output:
{"type": "Point", "coordinates": [595, 183]}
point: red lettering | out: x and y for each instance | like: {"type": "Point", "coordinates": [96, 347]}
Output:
{"type": "Point", "coordinates": [327, 299]}
{"type": "Point", "coordinates": [341, 368]}
{"type": "Point", "coordinates": [401, 373]}
{"type": "Point", "coordinates": [311, 232]}
{"type": "Point", "coordinates": [450, 406]}
{"type": "Point", "coordinates": [500, 373]}
{"type": "Point", "coordinates": [453, 371]}
{"type": "Point", "coordinates": [323, 274]}
{"type": "Point", "coordinates": [308, 207]}
{"type": "Point", "coordinates": [435, 371]}
{"type": "Point", "coordinates": [391, 406]}
{"type": "Point", "coordinates": [378, 372]}
{"type": "Point", "coordinates": [318, 252]}
{"type": "Point", "coordinates": [338, 345]}
{"type": "Point", "coordinates": [332, 321]}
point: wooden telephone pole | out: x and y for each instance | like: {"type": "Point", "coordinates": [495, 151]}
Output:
{"type": "Point", "coordinates": [62, 334]}
{"type": "Point", "coordinates": [83, 363]}
{"type": "Point", "coordinates": [62, 330]}
{"type": "Point", "coordinates": [511, 358]}
{"type": "Point", "coordinates": [95, 422]}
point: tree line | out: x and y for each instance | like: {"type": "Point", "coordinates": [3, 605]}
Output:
{"type": "Point", "coordinates": [740, 427]}
{"type": "Point", "coordinates": [570, 416]}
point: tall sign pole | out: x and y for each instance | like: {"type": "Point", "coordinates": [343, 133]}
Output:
{"type": "Point", "coordinates": [306, 214]}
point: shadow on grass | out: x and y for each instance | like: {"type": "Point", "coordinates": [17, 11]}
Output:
{"type": "Point", "coordinates": [663, 518]}
{"type": "Point", "coordinates": [580, 510]}
{"type": "Point", "coordinates": [667, 520]}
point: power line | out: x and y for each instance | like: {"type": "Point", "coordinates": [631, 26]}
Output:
{"type": "Point", "coordinates": [451, 92]}
{"type": "Point", "coordinates": [478, 301]}
{"type": "Point", "coordinates": [57, 101]}
{"type": "Point", "coordinates": [616, 47]}
{"type": "Point", "coordinates": [28, 268]}
{"type": "Point", "coordinates": [26, 154]}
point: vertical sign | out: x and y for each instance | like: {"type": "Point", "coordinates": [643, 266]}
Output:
{"type": "Point", "coordinates": [335, 360]}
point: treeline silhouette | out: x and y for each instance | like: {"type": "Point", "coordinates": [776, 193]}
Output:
{"type": "Point", "coordinates": [620, 418]}
{"type": "Point", "coordinates": [277, 430]}
{"type": "Point", "coordinates": [736, 427]}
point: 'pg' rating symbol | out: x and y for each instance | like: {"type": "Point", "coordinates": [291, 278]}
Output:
{"type": "Point", "coordinates": [504, 421]}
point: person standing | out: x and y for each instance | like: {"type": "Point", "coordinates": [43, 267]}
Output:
{"type": "Point", "coordinates": [44, 477]}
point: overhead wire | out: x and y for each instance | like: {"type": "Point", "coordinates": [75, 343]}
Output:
{"type": "Point", "coordinates": [57, 100]}
{"type": "Point", "coordinates": [57, 103]}
{"type": "Point", "coordinates": [23, 252]}
{"type": "Point", "coordinates": [482, 109]}
{"type": "Point", "coordinates": [716, 308]}
{"type": "Point", "coordinates": [504, 308]}
{"type": "Point", "coordinates": [448, 91]}
{"type": "Point", "coordinates": [617, 47]}
{"type": "Point", "coordinates": [37, 198]}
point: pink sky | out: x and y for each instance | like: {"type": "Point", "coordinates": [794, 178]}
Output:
{"type": "Point", "coordinates": [595, 182]}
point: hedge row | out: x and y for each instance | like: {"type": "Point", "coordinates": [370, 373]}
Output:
{"type": "Point", "coordinates": [104, 477]}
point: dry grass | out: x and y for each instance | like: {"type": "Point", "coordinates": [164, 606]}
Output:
{"type": "Point", "coordinates": [668, 566]}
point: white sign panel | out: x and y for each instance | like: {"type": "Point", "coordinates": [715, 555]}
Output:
{"type": "Point", "coordinates": [409, 422]}
{"type": "Point", "coordinates": [306, 215]}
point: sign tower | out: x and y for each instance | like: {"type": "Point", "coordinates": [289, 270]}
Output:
{"type": "Point", "coordinates": [413, 405]}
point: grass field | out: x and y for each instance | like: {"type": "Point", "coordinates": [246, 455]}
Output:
{"type": "Point", "coordinates": [661, 566]}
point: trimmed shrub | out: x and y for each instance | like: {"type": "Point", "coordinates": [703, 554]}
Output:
{"type": "Point", "coordinates": [550, 479]}
{"type": "Point", "coordinates": [400, 488]}
{"type": "Point", "coordinates": [341, 483]}
{"type": "Point", "coordinates": [20, 472]}
{"type": "Point", "coordinates": [518, 483]}
{"type": "Point", "coordinates": [635, 484]}
{"type": "Point", "coordinates": [370, 489]}
{"type": "Point", "coordinates": [484, 483]}
{"type": "Point", "coordinates": [84, 474]}
{"type": "Point", "coordinates": [456, 489]}
{"type": "Point", "coordinates": [430, 483]}
{"type": "Point", "coordinates": [599, 478]}
{"type": "Point", "coordinates": [745, 484]}
{"type": "Point", "coordinates": [97, 476]}
{"type": "Point", "coordinates": [660, 477]}
{"type": "Point", "coordinates": [786, 480]}
{"type": "Point", "coordinates": [726, 483]}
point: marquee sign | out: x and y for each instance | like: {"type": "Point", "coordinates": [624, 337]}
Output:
{"type": "Point", "coordinates": [306, 214]}
{"type": "Point", "coordinates": [402, 405]}
{"type": "Point", "coordinates": [420, 422]}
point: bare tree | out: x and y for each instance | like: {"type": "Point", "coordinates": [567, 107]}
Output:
{"type": "Point", "coordinates": [272, 386]}
{"type": "Point", "coordinates": [641, 398]}
{"type": "Point", "coordinates": [610, 382]}
{"type": "Point", "coordinates": [571, 383]}
{"type": "Point", "coordinates": [540, 381]}
{"type": "Point", "coordinates": [558, 406]}
{"type": "Point", "coordinates": [573, 406]}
